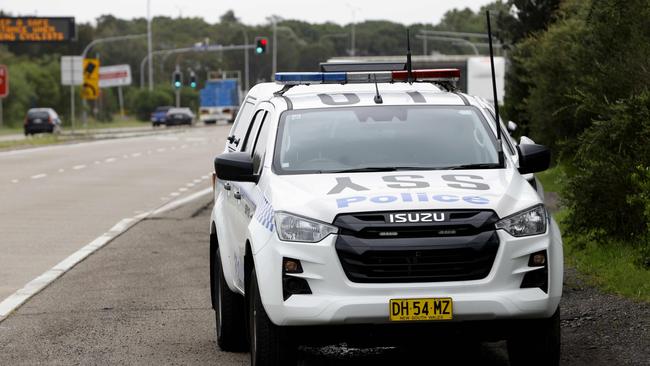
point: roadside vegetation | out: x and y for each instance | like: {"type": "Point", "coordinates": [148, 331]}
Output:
{"type": "Point", "coordinates": [582, 88]}
{"type": "Point", "coordinates": [612, 264]}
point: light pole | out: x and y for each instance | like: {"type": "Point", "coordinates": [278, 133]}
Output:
{"type": "Point", "coordinates": [353, 30]}
{"type": "Point", "coordinates": [149, 46]}
{"type": "Point", "coordinates": [216, 48]}
{"type": "Point", "coordinates": [274, 67]}
{"type": "Point", "coordinates": [109, 39]}
{"type": "Point", "coordinates": [300, 41]}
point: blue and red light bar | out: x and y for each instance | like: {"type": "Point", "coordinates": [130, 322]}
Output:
{"type": "Point", "coordinates": [306, 78]}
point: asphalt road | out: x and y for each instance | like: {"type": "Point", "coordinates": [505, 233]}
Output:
{"type": "Point", "coordinates": [144, 299]}
{"type": "Point", "coordinates": [56, 199]}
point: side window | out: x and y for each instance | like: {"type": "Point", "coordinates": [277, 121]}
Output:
{"type": "Point", "coordinates": [260, 146]}
{"type": "Point", "coordinates": [242, 124]}
{"type": "Point", "coordinates": [249, 140]}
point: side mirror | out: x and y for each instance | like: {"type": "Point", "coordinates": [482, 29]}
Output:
{"type": "Point", "coordinates": [533, 158]}
{"type": "Point", "coordinates": [235, 166]}
{"type": "Point", "coordinates": [512, 127]}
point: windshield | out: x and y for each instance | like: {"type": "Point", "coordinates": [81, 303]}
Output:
{"type": "Point", "coordinates": [383, 138]}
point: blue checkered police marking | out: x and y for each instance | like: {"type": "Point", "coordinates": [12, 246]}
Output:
{"type": "Point", "coordinates": [264, 214]}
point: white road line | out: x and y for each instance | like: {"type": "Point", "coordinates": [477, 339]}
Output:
{"type": "Point", "coordinates": [161, 149]}
{"type": "Point", "coordinates": [61, 170]}
{"type": "Point", "coordinates": [135, 155]}
{"type": "Point", "coordinates": [110, 160]}
{"type": "Point", "coordinates": [97, 162]}
{"type": "Point", "coordinates": [182, 189]}
{"type": "Point", "coordinates": [80, 166]}
{"type": "Point", "coordinates": [190, 185]}
{"type": "Point", "coordinates": [39, 176]}
{"type": "Point", "coordinates": [174, 194]}
{"type": "Point", "coordinates": [181, 201]}
{"type": "Point", "coordinates": [14, 181]}
{"type": "Point", "coordinates": [196, 181]}
{"type": "Point", "coordinates": [15, 300]}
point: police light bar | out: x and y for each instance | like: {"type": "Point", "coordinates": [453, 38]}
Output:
{"type": "Point", "coordinates": [307, 78]}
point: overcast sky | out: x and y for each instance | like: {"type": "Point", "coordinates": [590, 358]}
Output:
{"type": "Point", "coordinates": [249, 11]}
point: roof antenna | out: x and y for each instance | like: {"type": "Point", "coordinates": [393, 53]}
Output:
{"type": "Point", "coordinates": [378, 98]}
{"type": "Point", "coordinates": [494, 93]}
{"type": "Point", "coordinates": [409, 65]}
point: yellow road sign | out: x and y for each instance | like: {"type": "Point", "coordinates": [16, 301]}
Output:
{"type": "Point", "coordinates": [90, 88]}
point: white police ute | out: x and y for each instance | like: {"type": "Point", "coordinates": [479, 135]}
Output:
{"type": "Point", "coordinates": [380, 207]}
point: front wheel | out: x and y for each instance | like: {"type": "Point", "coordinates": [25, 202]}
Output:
{"type": "Point", "coordinates": [270, 344]}
{"type": "Point", "coordinates": [229, 314]}
{"type": "Point", "coordinates": [536, 342]}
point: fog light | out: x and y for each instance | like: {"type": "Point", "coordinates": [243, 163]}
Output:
{"type": "Point", "coordinates": [538, 259]}
{"type": "Point", "coordinates": [293, 285]}
{"type": "Point", "coordinates": [539, 277]}
{"type": "Point", "coordinates": [291, 265]}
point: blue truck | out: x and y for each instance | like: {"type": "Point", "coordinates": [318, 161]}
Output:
{"type": "Point", "coordinates": [219, 100]}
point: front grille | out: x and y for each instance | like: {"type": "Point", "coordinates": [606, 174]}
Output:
{"type": "Point", "coordinates": [462, 248]}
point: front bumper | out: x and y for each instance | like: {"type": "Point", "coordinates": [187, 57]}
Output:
{"type": "Point", "coordinates": [337, 300]}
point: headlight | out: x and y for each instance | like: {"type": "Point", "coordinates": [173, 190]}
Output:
{"type": "Point", "coordinates": [529, 222]}
{"type": "Point", "coordinates": [296, 228]}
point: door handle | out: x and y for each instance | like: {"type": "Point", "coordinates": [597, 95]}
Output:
{"type": "Point", "coordinates": [237, 195]}
{"type": "Point", "coordinates": [227, 186]}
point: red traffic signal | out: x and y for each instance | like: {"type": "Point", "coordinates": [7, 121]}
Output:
{"type": "Point", "coordinates": [260, 45]}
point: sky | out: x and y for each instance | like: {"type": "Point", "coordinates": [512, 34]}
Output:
{"type": "Point", "coordinates": [248, 11]}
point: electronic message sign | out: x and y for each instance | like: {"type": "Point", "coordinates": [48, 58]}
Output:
{"type": "Point", "coordinates": [37, 29]}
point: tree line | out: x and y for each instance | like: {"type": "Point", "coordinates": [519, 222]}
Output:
{"type": "Point", "coordinates": [577, 80]}
{"type": "Point", "coordinates": [35, 75]}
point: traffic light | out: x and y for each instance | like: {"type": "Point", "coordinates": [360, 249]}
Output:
{"type": "Point", "coordinates": [178, 80]}
{"type": "Point", "coordinates": [260, 45]}
{"type": "Point", "coordinates": [193, 80]}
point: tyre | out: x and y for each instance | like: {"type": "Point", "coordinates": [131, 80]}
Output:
{"type": "Point", "coordinates": [269, 343]}
{"type": "Point", "coordinates": [230, 314]}
{"type": "Point", "coordinates": [536, 342]}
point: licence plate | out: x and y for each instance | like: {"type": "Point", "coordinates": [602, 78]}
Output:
{"type": "Point", "coordinates": [437, 308]}
{"type": "Point", "coordinates": [179, 116]}
{"type": "Point", "coordinates": [37, 120]}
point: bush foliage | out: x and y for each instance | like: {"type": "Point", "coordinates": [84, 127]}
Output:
{"type": "Point", "coordinates": [584, 91]}
{"type": "Point", "coordinates": [608, 189]}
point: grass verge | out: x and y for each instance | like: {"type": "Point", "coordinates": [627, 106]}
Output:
{"type": "Point", "coordinates": [611, 266]}
{"type": "Point", "coordinates": [92, 125]}
{"type": "Point", "coordinates": [40, 140]}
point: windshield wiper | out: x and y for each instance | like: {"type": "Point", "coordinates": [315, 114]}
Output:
{"type": "Point", "coordinates": [474, 166]}
{"type": "Point", "coordinates": [365, 169]}
{"type": "Point", "coordinates": [385, 169]}
{"type": "Point", "coordinates": [398, 168]}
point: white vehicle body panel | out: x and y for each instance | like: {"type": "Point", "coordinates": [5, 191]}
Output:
{"type": "Point", "coordinates": [336, 299]}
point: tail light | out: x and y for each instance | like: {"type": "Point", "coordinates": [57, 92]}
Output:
{"type": "Point", "coordinates": [49, 120]}
{"type": "Point", "coordinates": [26, 120]}
{"type": "Point", "coordinates": [214, 180]}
